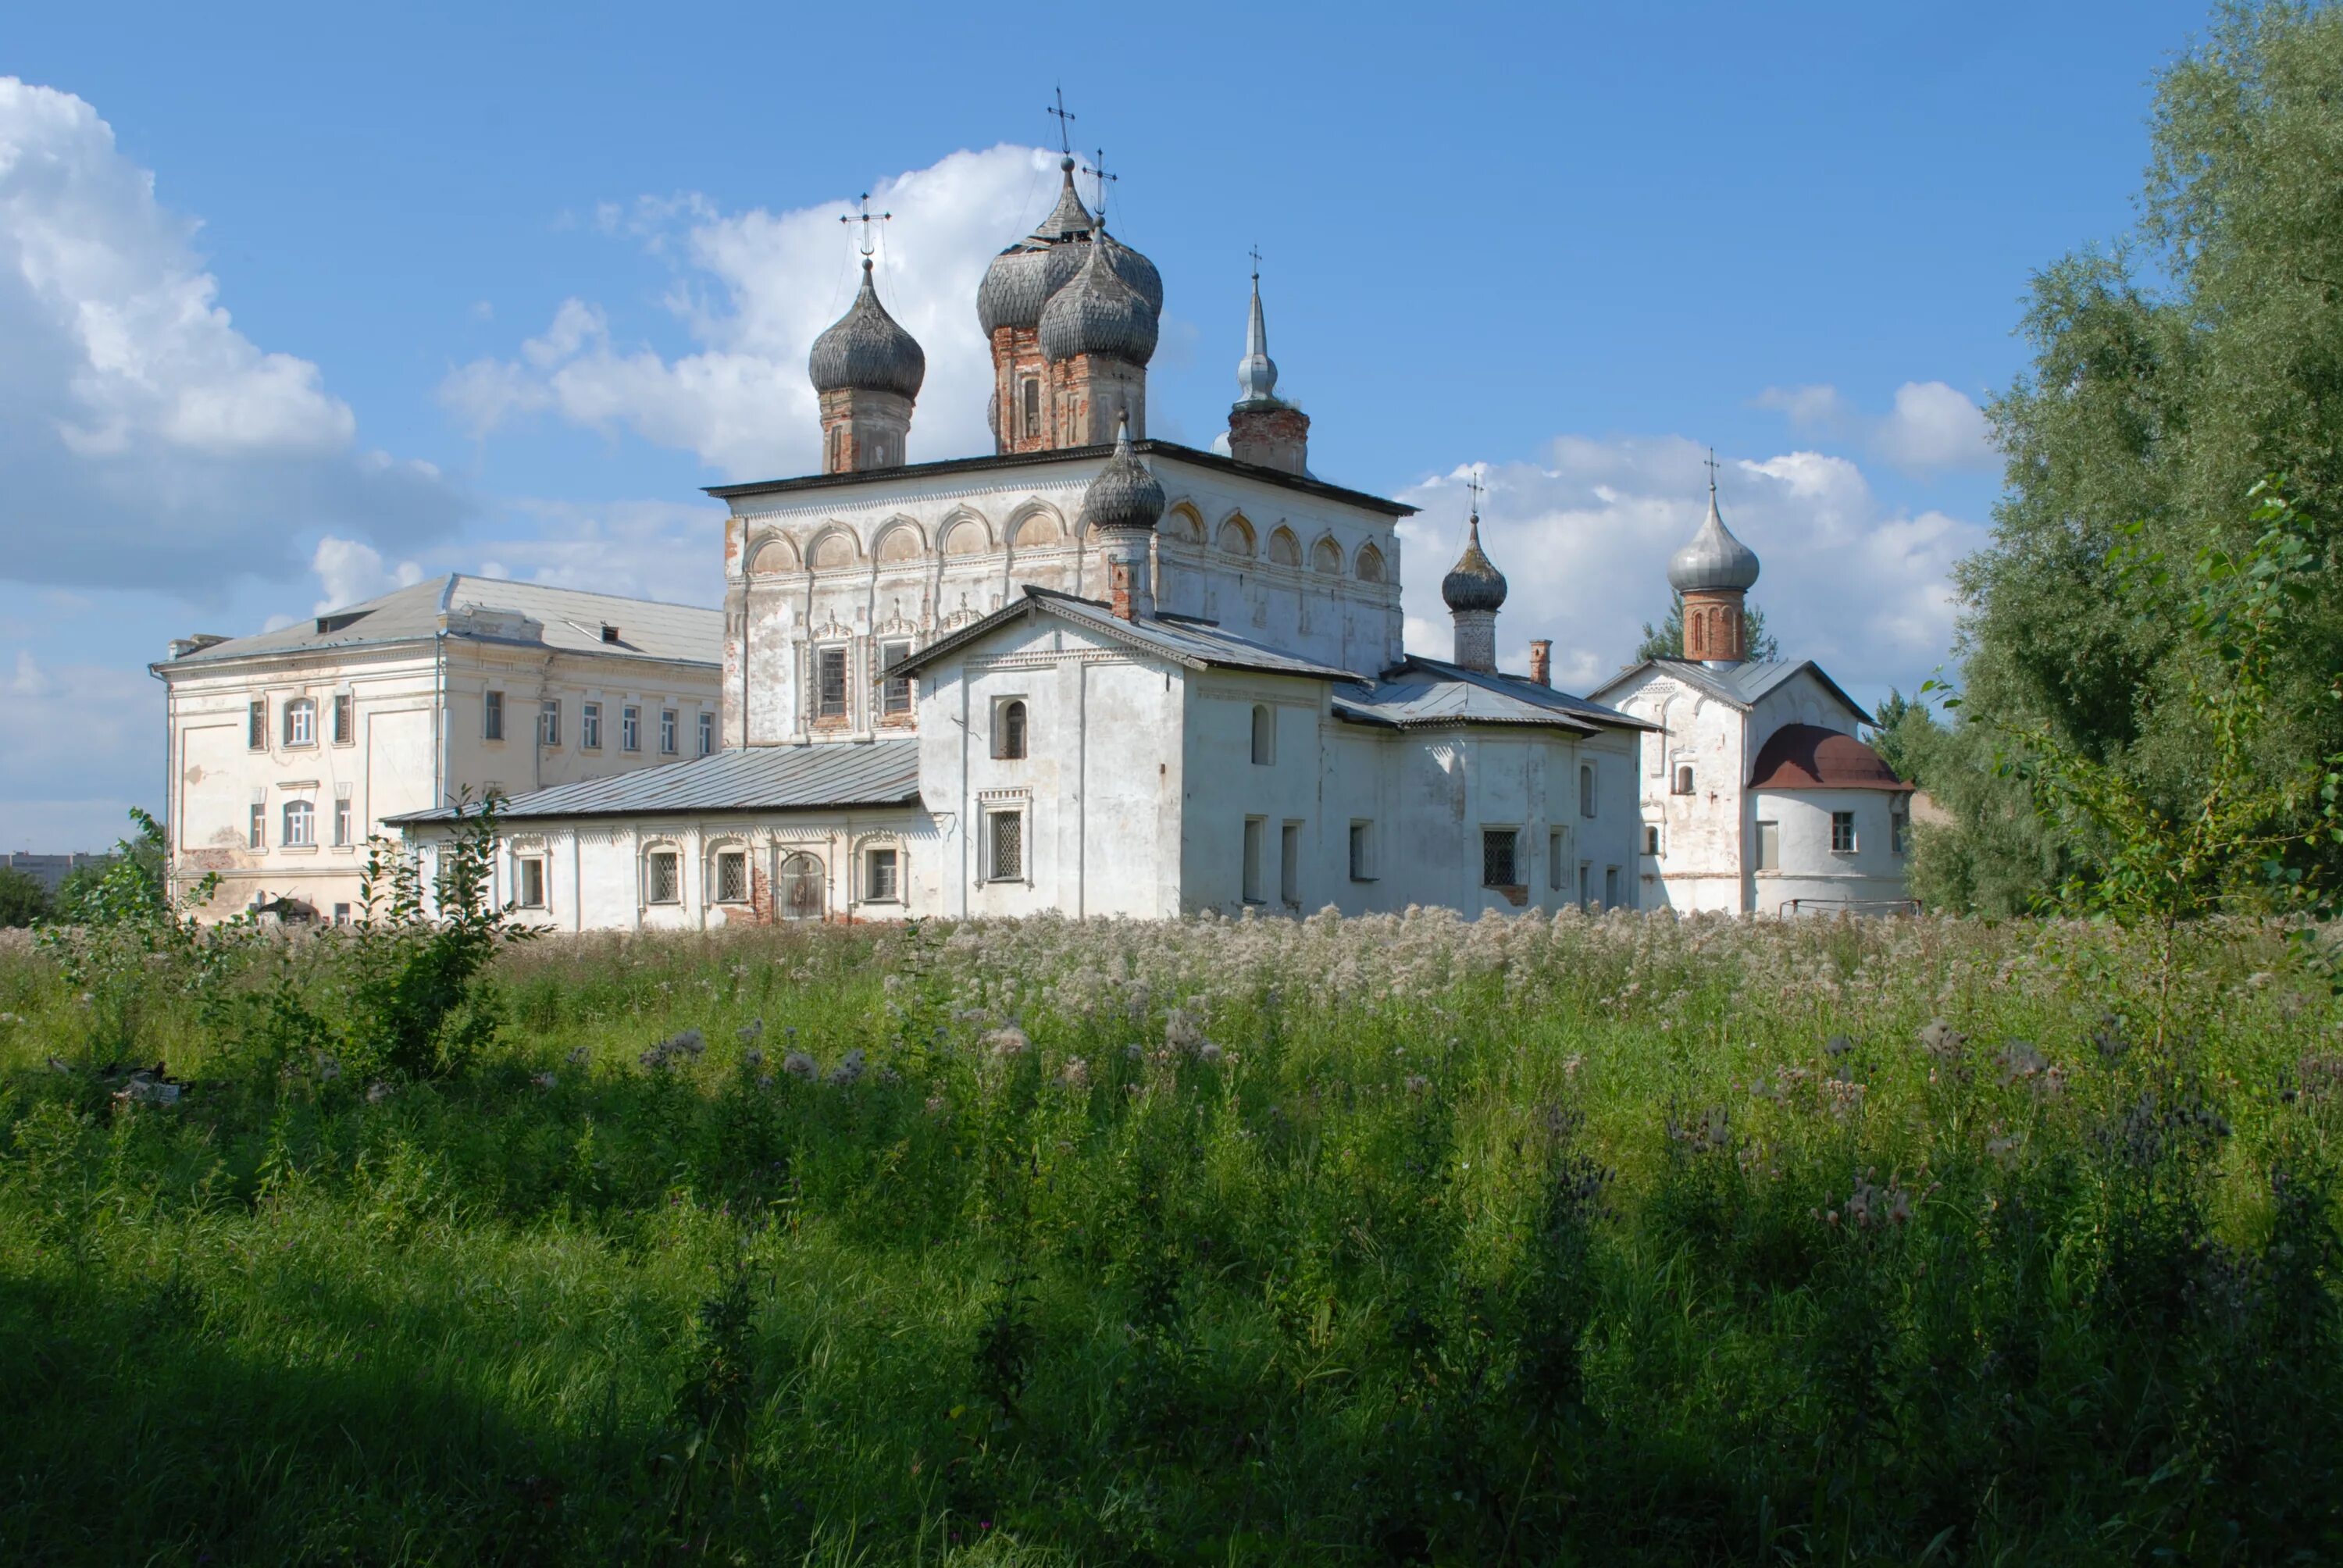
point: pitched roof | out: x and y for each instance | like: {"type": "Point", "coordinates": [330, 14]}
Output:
{"type": "Point", "coordinates": [751, 778]}
{"type": "Point", "coordinates": [1419, 692]}
{"type": "Point", "coordinates": [1742, 685]}
{"type": "Point", "coordinates": [1196, 644]}
{"type": "Point", "coordinates": [570, 619]}
{"type": "Point", "coordinates": [1808, 756]}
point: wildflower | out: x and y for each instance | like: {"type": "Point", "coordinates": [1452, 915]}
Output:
{"type": "Point", "coordinates": [2018, 1059]}
{"type": "Point", "coordinates": [753, 1059]}
{"type": "Point", "coordinates": [1208, 1054]}
{"type": "Point", "coordinates": [764, 1081]}
{"type": "Point", "coordinates": [1570, 1067]}
{"type": "Point", "coordinates": [1135, 1050]}
{"type": "Point", "coordinates": [1417, 1084]}
{"type": "Point", "coordinates": [1942, 1041]}
{"type": "Point", "coordinates": [1837, 1046]}
{"type": "Point", "coordinates": [1007, 1043]}
{"type": "Point", "coordinates": [691, 1043]}
{"type": "Point", "coordinates": [798, 1065]}
{"type": "Point", "coordinates": [749, 1032]}
{"type": "Point", "coordinates": [327, 1068]}
{"type": "Point", "coordinates": [1076, 1074]}
{"type": "Point", "coordinates": [936, 1105]}
{"type": "Point", "coordinates": [542, 1080]}
{"type": "Point", "coordinates": [580, 1057]}
{"type": "Point", "coordinates": [849, 1069]}
{"type": "Point", "coordinates": [377, 1091]}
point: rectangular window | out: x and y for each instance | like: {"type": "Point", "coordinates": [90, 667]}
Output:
{"type": "Point", "coordinates": [1032, 391]}
{"type": "Point", "coordinates": [1289, 865]}
{"type": "Point", "coordinates": [895, 701]}
{"type": "Point", "coordinates": [342, 821]}
{"type": "Point", "coordinates": [1363, 852]}
{"type": "Point", "coordinates": [1651, 839]}
{"type": "Point", "coordinates": [1684, 779]}
{"type": "Point", "coordinates": [1585, 884]}
{"type": "Point", "coordinates": [732, 877]}
{"type": "Point", "coordinates": [1253, 829]}
{"type": "Point", "coordinates": [344, 718]}
{"type": "Point", "coordinates": [1554, 851]}
{"type": "Point", "coordinates": [1008, 845]}
{"type": "Point", "coordinates": [630, 729]}
{"type": "Point", "coordinates": [257, 834]}
{"type": "Point", "coordinates": [1843, 832]}
{"type": "Point", "coordinates": [590, 726]}
{"type": "Point", "coordinates": [666, 732]}
{"type": "Point", "coordinates": [879, 868]}
{"type": "Point", "coordinates": [707, 733]}
{"type": "Point", "coordinates": [255, 726]}
{"type": "Point", "coordinates": [300, 824]}
{"type": "Point", "coordinates": [1769, 846]}
{"type": "Point", "coordinates": [492, 716]}
{"type": "Point", "coordinates": [1586, 789]}
{"type": "Point", "coordinates": [341, 914]}
{"type": "Point", "coordinates": [1610, 887]}
{"type": "Point", "coordinates": [1498, 869]}
{"type": "Point", "coordinates": [1900, 826]}
{"type": "Point", "coordinates": [829, 684]}
{"type": "Point", "coordinates": [548, 722]}
{"type": "Point", "coordinates": [531, 892]}
{"type": "Point", "coordinates": [666, 868]}
{"type": "Point", "coordinates": [301, 722]}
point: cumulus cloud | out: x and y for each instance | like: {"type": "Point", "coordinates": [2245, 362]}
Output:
{"type": "Point", "coordinates": [1583, 538]}
{"type": "Point", "coordinates": [668, 550]}
{"type": "Point", "coordinates": [351, 572]}
{"type": "Point", "coordinates": [145, 440]}
{"type": "Point", "coordinates": [752, 291]}
{"type": "Point", "coordinates": [1932, 426]}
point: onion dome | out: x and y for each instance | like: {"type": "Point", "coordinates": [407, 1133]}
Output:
{"type": "Point", "coordinates": [866, 351]}
{"type": "Point", "coordinates": [1715, 560]}
{"type": "Point", "coordinates": [1021, 278]}
{"type": "Point", "coordinates": [1808, 756]}
{"type": "Point", "coordinates": [1099, 313]}
{"type": "Point", "coordinates": [1125, 495]}
{"type": "Point", "coordinates": [1134, 269]}
{"type": "Point", "coordinates": [1257, 372]}
{"type": "Point", "coordinates": [1472, 583]}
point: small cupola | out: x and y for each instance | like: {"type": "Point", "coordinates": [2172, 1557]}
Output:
{"type": "Point", "coordinates": [1265, 429]}
{"type": "Point", "coordinates": [868, 372]}
{"type": "Point", "coordinates": [1119, 510]}
{"type": "Point", "coordinates": [1475, 591]}
{"type": "Point", "coordinates": [1714, 574]}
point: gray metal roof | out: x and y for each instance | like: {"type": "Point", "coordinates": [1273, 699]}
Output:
{"type": "Point", "coordinates": [1421, 692]}
{"type": "Point", "coordinates": [1196, 644]}
{"type": "Point", "coordinates": [752, 778]}
{"type": "Point", "coordinates": [570, 619]}
{"type": "Point", "coordinates": [1742, 685]}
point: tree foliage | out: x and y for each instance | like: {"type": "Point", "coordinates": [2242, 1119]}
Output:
{"type": "Point", "coordinates": [24, 901]}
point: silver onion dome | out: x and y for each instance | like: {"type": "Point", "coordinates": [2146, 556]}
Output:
{"type": "Point", "coordinates": [1134, 269]}
{"type": "Point", "coordinates": [1715, 560]}
{"type": "Point", "coordinates": [1125, 495]}
{"type": "Point", "coordinates": [1022, 279]}
{"type": "Point", "coordinates": [866, 351]}
{"type": "Point", "coordinates": [1099, 313]}
{"type": "Point", "coordinates": [1472, 583]}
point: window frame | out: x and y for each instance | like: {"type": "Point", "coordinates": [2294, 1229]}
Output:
{"type": "Point", "coordinates": [345, 718]}
{"type": "Point", "coordinates": [1012, 729]}
{"type": "Point", "coordinates": [652, 858]}
{"type": "Point", "coordinates": [1289, 863]}
{"type": "Point", "coordinates": [631, 727]}
{"type": "Point", "coordinates": [256, 725]}
{"type": "Point", "coordinates": [895, 702]}
{"type": "Point", "coordinates": [1264, 735]}
{"type": "Point", "coordinates": [344, 814]}
{"type": "Point", "coordinates": [995, 869]}
{"type": "Point", "coordinates": [1587, 791]}
{"type": "Point", "coordinates": [1611, 887]}
{"type": "Point", "coordinates": [590, 726]}
{"type": "Point", "coordinates": [1557, 858]}
{"type": "Point", "coordinates": [894, 880]}
{"type": "Point", "coordinates": [1899, 825]}
{"type": "Point", "coordinates": [1256, 829]}
{"type": "Point", "coordinates": [1681, 779]}
{"type": "Point", "coordinates": [823, 653]}
{"type": "Point", "coordinates": [256, 835]}
{"type": "Point", "coordinates": [671, 732]}
{"type": "Point", "coordinates": [1030, 410]}
{"type": "Point", "coordinates": [707, 733]}
{"type": "Point", "coordinates": [303, 812]}
{"type": "Point", "coordinates": [1511, 835]}
{"type": "Point", "coordinates": [1766, 851]}
{"type": "Point", "coordinates": [523, 865]}
{"type": "Point", "coordinates": [1844, 839]}
{"type": "Point", "coordinates": [1652, 840]}
{"type": "Point", "coordinates": [492, 716]}
{"type": "Point", "coordinates": [1362, 850]}
{"type": "Point", "coordinates": [742, 889]}
{"type": "Point", "coordinates": [548, 723]}
{"type": "Point", "coordinates": [301, 724]}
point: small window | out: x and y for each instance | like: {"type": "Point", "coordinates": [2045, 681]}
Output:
{"type": "Point", "coordinates": [667, 732]}
{"type": "Point", "coordinates": [590, 726]}
{"type": "Point", "coordinates": [1684, 779]}
{"type": "Point", "coordinates": [344, 718]}
{"type": "Point", "coordinates": [529, 881]}
{"type": "Point", "coordinates": [301, 722]}
{"type": "Point", "coordinates": [895, 700]}
{"type": "Point", "coordinates": [879, 868]}
{"type": "Point", "coordinates": [1007, 829]}
{"type": "Point", "coordinates": [1253, 829]}
{"type": "Point", "coordinates": [630, 729]}
{"type": "Point", "coordinates": [548, 722]}
{"type": "Point", "coordinates": [300, 824]}
{"type": "Point", "coordinates": [492, 716]}
{"type": "Point", "coordinates": [341, 914]}
{"type": "Point", "coordinates": [1610, 887]}
{"type": "Point", "coordinates": [732, 876]}
{"type": "Point", "coordinates": [1363, 852]}
{"type": "Point", "coordinates": [342, 821]}
{"type": "Point", "coordinates": [1899, 826]}
{"type": "Point", "coordinates": [1651, 839]}
{"type": "Point", "coordinates": [1586, 789]}
{"type": "Point", "coordinates": [829, 684]}
{"type": "Point", "coordinates": [707, 733]}
{"type": "Point", "coordinates": [1009, 731]}
{"type": "Point", "coordinates": [255, 726]}
{"type": "Point", "coordinates": [1843, 832]}
{"type": "Point", "coordinates": [256, 831]}
{"type": "Point", "coordinates": [1769, 846]}
{"type": "Point", "coordinates": [666, 868]}
{"type": "Point", "coordinates": [1554, 844]}
{"type": "Point", "coordinates": [1498, 857]}
{"type": "Point", "coordinates": [1585, 884]}
{"type": "Point", "coordinates": [1032, 390]}
{"type": "Point", "coordinates": [802, 890]}
{"type": "Point", "coordinates": [1264, 735]}
{"type": "Point", "coordinates": [1289, 865]}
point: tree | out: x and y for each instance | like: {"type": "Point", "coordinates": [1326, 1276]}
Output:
{"type": "Point", "coordinates": [1665, 640]}
{"type": "Point", "coordinates": [24, 901]}
{"type": "Point", "coordinates": [2170, 372]}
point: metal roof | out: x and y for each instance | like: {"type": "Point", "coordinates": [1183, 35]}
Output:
{"type": "Point", "coordinates": [571, 619]}
{"type": "Point", "coordinates": [752, 778]}
{"type": "Point", "coordinates": [1196, 643]}
{"type": "Point", "coordinates": [1421, 692]}
{"type": "Point", "coordinates": [1743, 684]}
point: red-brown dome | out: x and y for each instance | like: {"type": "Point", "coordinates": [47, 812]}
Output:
{"type": "Point", "coordinates": [1808, 756]}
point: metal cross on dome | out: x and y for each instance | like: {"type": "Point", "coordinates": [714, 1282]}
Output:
{"type": "Point", "coordinates": [1711, 463]}
{"type": "Point", "coordinates": [1255, 254]}
{"type": "Point", "coordinates": [866, 218]}
{"type": "Point", "coordinates": [1065, 124]}
{"type": "Point", "coordinates": [1097, 170]}
{"type": "Point", "coordinates": [1473, 483]}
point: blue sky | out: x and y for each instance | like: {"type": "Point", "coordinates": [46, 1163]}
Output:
{"type": "Point", "coordinates": [501, 292]}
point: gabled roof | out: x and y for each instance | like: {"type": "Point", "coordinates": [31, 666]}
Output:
{"type": "Point", "coordinates": [1194, 644]}
{"type": "Point", "coordinates": [751, 778]}
{"type": "Point", "coordinates": [572, 619]}
{"type": "Point", "coordinates": [1420, 692]}
{"type": "Point", "coordinates": [1742, 685]}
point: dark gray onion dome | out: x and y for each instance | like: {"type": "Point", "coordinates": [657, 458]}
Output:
{"type": "Point", "coordinates": [1715, 560]}
{"type": "Point", "coordinates": [1473, 583]}
{"type": "Point", "coordinates": [866, 351]}
{"type": "Point", "coordinates": [1021, 278]}
{"type": "Point", "coordinates": [1134, 269]}
{"type": "Point", "coordinates": [1098, 313]}
{"type": "Point", "coordinates": [1125, 495]}
{"type": "Point", "coordinates": [1069, 219]}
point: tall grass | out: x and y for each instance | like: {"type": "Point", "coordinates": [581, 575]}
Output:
{"type": "Point", "coordinates": [1389, 1240]}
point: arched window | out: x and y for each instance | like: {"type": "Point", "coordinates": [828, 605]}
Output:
{"type": "Point", "coordinates": [1033, 407]}
{"type": "Point", "coordinates": [1586, 789]}
{"type": "Point", "coordinates": [1684, 779]}
{"type": "Point", "coordinates": [1264, 735]}
{"type": "Point", "coordinates": [1371, 564]}
{"type": "Point", "coordinates": [300, 823]}
{"type": "Point", "coordinates": [801, 887]}
{"type": "Point", "coordinates": [301, 722]}
{"type": "Point", "coordinates": [1009, 731]}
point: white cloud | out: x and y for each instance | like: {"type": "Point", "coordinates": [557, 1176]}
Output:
{"type": "Point", "coordinates": [351, 572]}
{"type": "Point", "coordinates": [143, 438]}
{"type": "Point", "coordinates": [81, 749]}
{"type": "Point", "coordinates": [1932, 426]}
{"type": "Point", "coordinates": [668, 550]}
{"type": "Point", "coordinates": [753, 290]}
{"type": "Point", "coordinates": [1584, 541]}
{"type": "Point", "coordinates": [1808, 407]}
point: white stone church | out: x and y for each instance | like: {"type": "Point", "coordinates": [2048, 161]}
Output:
{"type": "Point", "coordinates": [1101, 674]}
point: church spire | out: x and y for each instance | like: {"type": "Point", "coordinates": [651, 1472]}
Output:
{"type": "Point", "coordinates": [1265, 429]}
{"type": "Point", "coordinates": [1256, 372]}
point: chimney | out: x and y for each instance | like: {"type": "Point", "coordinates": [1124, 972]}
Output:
{"type": "Point", "coordinates": [1542, 662]}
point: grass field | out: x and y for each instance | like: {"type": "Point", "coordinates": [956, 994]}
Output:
{"type": "Point", "coordinates": [1393, 1240]}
